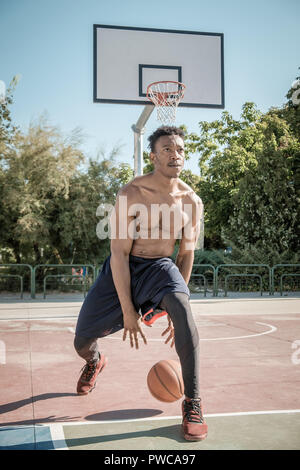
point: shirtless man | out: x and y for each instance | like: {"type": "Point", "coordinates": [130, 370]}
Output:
{"type": "Point", "coordinates": [150, 213]}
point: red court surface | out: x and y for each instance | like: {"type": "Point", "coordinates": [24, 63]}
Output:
{"type": "Point", "coordinates": [250, 380]}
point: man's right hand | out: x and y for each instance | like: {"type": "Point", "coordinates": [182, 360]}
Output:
{"type": "Point", "coordinates": [132, 326]}
{"type": "Point", "coordinates": [171, 332]}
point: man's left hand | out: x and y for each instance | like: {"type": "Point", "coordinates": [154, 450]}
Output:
{"type": "Point", "coordinates": [170, 330]}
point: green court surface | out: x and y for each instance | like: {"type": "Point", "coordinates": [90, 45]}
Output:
{"type": "Point", "coordinates": [237, 432]}
{"type": "Point", "coordinates": [278, 430]}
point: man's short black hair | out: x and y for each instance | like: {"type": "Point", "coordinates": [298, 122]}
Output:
{"type": "Point", "coordinates": [164, 130]}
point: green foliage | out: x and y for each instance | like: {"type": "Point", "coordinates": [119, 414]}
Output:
{"type": "Point", "coordinates": [227, 150]}
{"type": "Point", "coordinates": [7, 129]}
{"type": "Point", "coordinates": [249, 184]}
{"type": "Point", "coordinates": [148, 165]}
{"type": "Point", "coordinates": [291, 110]}
{"type": "Point", "coordinates": [250, 178]}
{"type": "Point", "coordinates": [213, 257]}
{"type": "Point", "coordinates": [37, 171]}
{"type": "Point", "coordinates": [75, 218]}
{"type": "Point", "coordinates": [48, 202]}
{"type": "Point", "coordinates": [254, 254]}
{"type": "Point", "coordinates": [265, 207]}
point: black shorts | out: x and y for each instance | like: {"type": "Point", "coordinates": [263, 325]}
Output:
{"type": "Point", "coordinates": [151, 279]}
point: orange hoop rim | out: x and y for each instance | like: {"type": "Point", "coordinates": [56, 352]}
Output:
{"type": "Point", "coordinates": [165, 93]}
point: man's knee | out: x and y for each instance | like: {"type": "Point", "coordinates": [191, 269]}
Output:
{"type": "Point", "coordinates": [80, 343]}
{"type": "Point", "coordinates": [176, 303]}
{"type": "Point", "coordinates": [86, 347]}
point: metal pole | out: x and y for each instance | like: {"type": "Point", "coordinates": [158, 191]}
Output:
{"type": "Point", "coordinates": [139, 130]}
{"type": "Point", "coordinates": [138, 150]}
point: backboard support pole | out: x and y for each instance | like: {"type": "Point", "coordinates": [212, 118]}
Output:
{"type": "Point", "coordinates": [139, 130]}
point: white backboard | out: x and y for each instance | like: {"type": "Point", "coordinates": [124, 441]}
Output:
{"type": "Point", "coordinates": [127, 60]}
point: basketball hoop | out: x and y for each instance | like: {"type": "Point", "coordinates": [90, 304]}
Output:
{"type": "Point", "coordinates": [166, 96]}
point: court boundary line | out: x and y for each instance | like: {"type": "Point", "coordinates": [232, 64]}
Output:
{"type": "Point", "coordinates": [18, 304]}
{"type": "Point", "coordinates": [195, 314]}
{"type": "Point", "coordinates": [56, 429]}
{"type": "Point", "coordinates": [59, 441]}
{"type": "Point", "coordinates": [254, 335]}
{"type": "Point", "coordinates": [57, 436]}
{"type": "Point", "coordinates": [272, 329]}
{"type": "Point", "coordinates": [161, 418]}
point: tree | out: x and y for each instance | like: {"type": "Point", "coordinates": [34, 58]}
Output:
{"type": "Point", "coordinates": [49, 198]}
{"type": "Point", "coordinates": [250, 177]}
{"type": "Point", "coordinates": [7, 129]}
{"type": "Point", "coordinates": [75, 219]}
{"type": "Point", "coordinates": [8, 134]}
{"type": "Point", "coordinates": [290, 112]}
{"type": "Point", "coordinates": [227, 150]}
{"type": "Point", "coordinates": [36, 170]}
{"type": "Point", "coordinates": [291, 109]}
{"type": "Point", "coordinates": [265, 206]}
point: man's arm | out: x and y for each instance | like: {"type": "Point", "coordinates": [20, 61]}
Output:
{"type": "Point", "coordinates": [188, 243]}
{"type": "Point", "coordinates": [190, 235]}
{"type": "Point", "coordinates": [121, 244]}
{"type": "Point", "coordinates": [184, 262]}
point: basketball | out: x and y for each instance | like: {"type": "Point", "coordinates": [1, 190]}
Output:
{"type": "Point", "coordinates": [165, 382]}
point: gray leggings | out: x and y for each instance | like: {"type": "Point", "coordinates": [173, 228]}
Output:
{"type": "Point", "coordinates": [186, 341]}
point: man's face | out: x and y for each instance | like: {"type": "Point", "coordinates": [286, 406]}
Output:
{"type": "Point", "coordinates": [168, 155]}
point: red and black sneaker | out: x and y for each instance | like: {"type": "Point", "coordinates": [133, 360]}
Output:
{"type": "Point", "coordinates": [194, 428]}
{"type": "Point", "coordinates": [152, 315]}
{"type": "Point", "coordinates": [87, 380]}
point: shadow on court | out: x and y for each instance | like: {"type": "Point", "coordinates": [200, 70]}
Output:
{"type": "Point", "coordinates": [169, 432]}
{"type": "Point", "coordinates": [123, 414]}
{"type": "Point", "coordinates": [14, 405]}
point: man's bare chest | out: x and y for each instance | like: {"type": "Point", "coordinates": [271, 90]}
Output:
{"type": "Point", "coordinates": [162, 217]}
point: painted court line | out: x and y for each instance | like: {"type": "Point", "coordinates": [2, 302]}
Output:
{"type": "Point", "coordinates": [162, 418]}
{"type": "Point", "coordinates": [271, 330]}
{"type": "Point", "coordinates": [58, 436]}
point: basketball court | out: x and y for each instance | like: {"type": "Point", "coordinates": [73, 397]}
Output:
{"type": "Point", "coordinates": [250, 379]}
{"type": "Point", "coordinates": [250, 346]}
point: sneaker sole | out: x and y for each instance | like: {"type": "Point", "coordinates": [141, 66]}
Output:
{"type": "Point", "coordinates": [91, 389]}
{"type": "Point", "coordinates": [195, 438]}
{"type": "Point", "coordinates": [155, 317]}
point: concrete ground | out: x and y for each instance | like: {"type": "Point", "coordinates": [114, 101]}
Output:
{"type": "Point", "coordinates": [250, 379]}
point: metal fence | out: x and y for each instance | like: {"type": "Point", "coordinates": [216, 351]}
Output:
{"type": "Point", "coordinates": [205, 278]}
{"type": "Point", "coordinates": [247, 272]}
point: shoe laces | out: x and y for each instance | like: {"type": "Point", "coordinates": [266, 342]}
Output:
{"type": "Point", "coordinates": [193, 411]}
{"type": "Point", "coordinates": [88, 370]}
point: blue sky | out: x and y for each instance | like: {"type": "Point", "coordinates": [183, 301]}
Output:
{"type": "Point", "coordinates": [50, 44]}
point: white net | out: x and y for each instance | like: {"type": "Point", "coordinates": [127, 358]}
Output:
{"type": "Point", "coordinates": [166, 96]}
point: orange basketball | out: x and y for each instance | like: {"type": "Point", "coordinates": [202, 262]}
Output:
{"type": "Point", "coordinates": [165, 382]}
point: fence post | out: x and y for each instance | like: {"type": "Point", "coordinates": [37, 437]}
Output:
{"type": "Point", "coordinates": [21, 264]}
{"type": "Point", "coordinates": [241, 266]}
{"type": "Point", "coordinates": [281, 266]}
{"type": "Point", "coordinates": [32, 283]}
{"type": "Point", "coordinates": [202, 266]}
